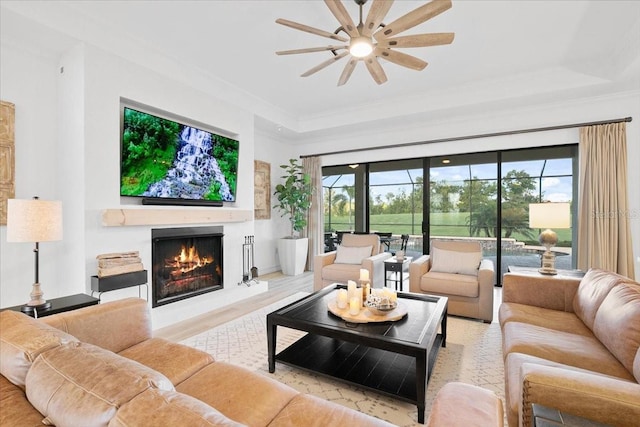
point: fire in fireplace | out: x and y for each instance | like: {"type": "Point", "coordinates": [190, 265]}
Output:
{"type": "Point", "coordinates": [187, 261]}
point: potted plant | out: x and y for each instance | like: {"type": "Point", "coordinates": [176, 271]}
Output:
{"type": "Point", "coordinates": [294, 201]}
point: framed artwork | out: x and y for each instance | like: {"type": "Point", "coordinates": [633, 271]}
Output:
{"type": "Point", "coordinates": [262, 189]}
{"type": "Point", "coordinates": [7, 157]}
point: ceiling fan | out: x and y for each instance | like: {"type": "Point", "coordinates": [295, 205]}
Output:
{"type": "Point", "coordinates": [372, 39]}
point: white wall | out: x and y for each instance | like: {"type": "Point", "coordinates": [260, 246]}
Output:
{"type": "Point", "coordinates": [68, 148]}
{"type": "Point", "coordinates": [29, 80]}
{"type": "Point", "coordinates": [273, 150]}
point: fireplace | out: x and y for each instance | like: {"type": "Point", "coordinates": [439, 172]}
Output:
{"type": "Point", "coordinates": [187, 261]}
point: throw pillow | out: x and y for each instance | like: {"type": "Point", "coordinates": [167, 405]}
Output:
{"type": "Point", "coordinates": [454, 262]}
{"type": "Point", "coordinates": [352, 254]}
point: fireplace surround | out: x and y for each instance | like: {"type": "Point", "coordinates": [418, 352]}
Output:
{"type": "Point", "coordinates": [186, 262]}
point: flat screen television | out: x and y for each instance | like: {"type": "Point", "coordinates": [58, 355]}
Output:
{"type": "Point", "coordinates": [167, 162]}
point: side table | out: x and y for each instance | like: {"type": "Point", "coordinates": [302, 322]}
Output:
{"type": "Point", "coordinates": [395, 271]}
{"type": "Point", "coordinates": [531, 271]}
{"type": "Point", "coordinates": [549, 417]}
{"type": "Point", "coordinates": [60, 305]}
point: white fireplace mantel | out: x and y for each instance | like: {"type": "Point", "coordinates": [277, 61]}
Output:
{"type": "Point", "coordinates": [146, 216]}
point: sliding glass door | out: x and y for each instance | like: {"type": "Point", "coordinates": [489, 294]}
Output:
{"type": "Point", "coordinates": [535, 176]}
{"type": "Point", "coordinates": [479, 196]}
{"type": "Point", "coordinates": [463, 199]}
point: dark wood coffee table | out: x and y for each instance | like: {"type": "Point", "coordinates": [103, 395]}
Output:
{"type": "Point", "coordinates": [393, 358]}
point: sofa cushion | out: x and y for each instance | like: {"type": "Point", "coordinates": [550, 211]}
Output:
{"type": "Point", "coordinates": [481, 407]}
{"type": "Point", "coordinates": [581, 351]}
{"type": "Point", "coordinates": [539, 316]}
{"type": "Point", "coordinates": [15, 409]}
{"type": "Point", "coordinates": [593, 289]}
{"type": "Point", "coordinates": [617, 323]}
{"type": "Point", "coordinates": [310, 411]}
{"type": "Point", "coordinates": [242, 395]}
{"type": "Point", "coordinates": [455, 262]}
{"type": "Point", "coordinates": [160, 408]}
{"type": "Point", "coordinates": [352, 254]}
{"type": "Point", "coordinates": [131, 317]}
{"type": "Point", "coordinates": [372, 240]}
{"type": "Point", "coordinates": [175, 361]}
{"type": "Point", "coordinates": [450, 284]}
{"type": "Point", "coordinates": [22, 339]}
{"type": "Point", "coordinates": [82, 384]}
{"type": "Point", "coordinates": [341, 273]}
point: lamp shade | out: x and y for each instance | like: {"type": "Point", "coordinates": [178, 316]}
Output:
{"type": "Point", "coordinates": [34, 220]}
{"type": "Point", "coordinates": [549, 215]}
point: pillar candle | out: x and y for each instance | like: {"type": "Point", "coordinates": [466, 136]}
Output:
{"type": "Point", "coordinates": [342, 299]}
{"type": "Point", "coordinates": [364, 274]}
{"type": "Point", "coordinates": [354, 306]}
{"type": "Point", "coordinates": [351, 288]}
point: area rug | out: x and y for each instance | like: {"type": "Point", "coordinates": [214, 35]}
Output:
{"type": "Point", "coordinates": [472, 355]}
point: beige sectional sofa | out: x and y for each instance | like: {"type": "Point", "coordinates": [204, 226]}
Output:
{"type": "Point", "coordinates": [572, 345]}
{"type": "Point", "coordinates": [100, 366]}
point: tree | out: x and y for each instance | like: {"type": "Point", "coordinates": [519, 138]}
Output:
{"type": "Point", "coordinates": [479, 197]}
{"type": "Point", "coordinates": [442, 194]}
{"type": "Point", "coordinates": [518, 191]}
{"type": "Point", "coordinates": [294, 196]}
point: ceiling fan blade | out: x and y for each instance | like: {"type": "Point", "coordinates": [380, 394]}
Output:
{"type": "Point", "coordinates": [375, 69]}
{"type": "Point", "coordinates": [401, 58]}
{"type": "Point", "coordinates": [308, 50]}
{"type": "Point", "coordinates": [311, 30]}
{"type": "Point", "coordinates": [413, 18]}
{"type": "Point", "coordinates": [337, 8]}
{"type": "Point", "coordinates": [377, 12]}
{"type": "Point", "coordinates": [325, 64]}
{"type": "Point", "coordinates": [418, 40]}
{"type": "Point", "coordinates": [348, 69]}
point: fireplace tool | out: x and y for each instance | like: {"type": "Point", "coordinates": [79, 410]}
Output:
{"type": "Point", "coordinates": [249, 270]}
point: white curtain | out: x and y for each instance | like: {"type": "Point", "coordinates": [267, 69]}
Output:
{"type": "Point", "coordinates": [604, 231]}
{"type": "Point", "coordinates": [315, 220]}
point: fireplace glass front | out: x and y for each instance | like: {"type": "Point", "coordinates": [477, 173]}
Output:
{"type": "Point", "coordinates": [187, 261]}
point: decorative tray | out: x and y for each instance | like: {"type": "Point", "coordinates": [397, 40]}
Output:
{"type": "Point", "coordinates": [366, 316]}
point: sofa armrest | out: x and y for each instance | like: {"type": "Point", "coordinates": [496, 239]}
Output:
{"type": "Point", "coordinates": [375, 265]}
{"type": "Point", "coordinates": [319, 262]}
{"type": "Point", "coordinates": [592, 396]}
{"type": "Point", "coordinates": [417, 269]}
{"type": "Point", "coordinates": [549, 292]}
{"type": "Point", "coordinates": [486, 279]}
{"type": "Point", "coordinates": [115, 325]}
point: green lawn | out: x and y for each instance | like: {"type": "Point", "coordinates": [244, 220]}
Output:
{"type": "Point", "coordinates": [442, 224]}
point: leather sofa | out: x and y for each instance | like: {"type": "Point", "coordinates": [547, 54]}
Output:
{"type": "Point", "coordinates": [456, 270]}
{"type": "Point", "coordinates": [100, 366]}
{"type": "Point", "coordinates": [355, 252]}
{"type": "Point", "coordinates": [572, 345]}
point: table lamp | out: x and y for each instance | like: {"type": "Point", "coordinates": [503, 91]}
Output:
{"type": "Point", "coordinates": [34, 220]}
{"type": "Point", "coordinates": [547, 216]}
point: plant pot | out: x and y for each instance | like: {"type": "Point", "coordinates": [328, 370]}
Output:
{"type": "Point", "coordinates": [293, 255]}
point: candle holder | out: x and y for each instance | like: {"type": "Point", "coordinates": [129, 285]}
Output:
{"type": "Point", "coordinates": [365, 284]}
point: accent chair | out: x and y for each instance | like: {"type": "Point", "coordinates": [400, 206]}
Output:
{"type": "Point", "coordinates": [355, 252]}
{"type": "Point", "coordinates": [456, 269]}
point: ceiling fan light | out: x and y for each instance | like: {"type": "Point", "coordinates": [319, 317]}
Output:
{"type": "Point", "coordinates": [360, 47]}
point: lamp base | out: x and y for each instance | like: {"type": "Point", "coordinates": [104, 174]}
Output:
{"type": "Point", "coordinates": [30, 309]}
{"type": "Point", "coordinates": [548, 263]}
{"type": "Point", "coordinates": [37, 301]}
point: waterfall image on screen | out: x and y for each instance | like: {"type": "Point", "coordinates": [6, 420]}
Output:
{"type": "Point", "coordinates": [162, 158]}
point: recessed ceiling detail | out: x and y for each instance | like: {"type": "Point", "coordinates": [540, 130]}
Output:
{"type": "Point", "coordinates": [372, 39]}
